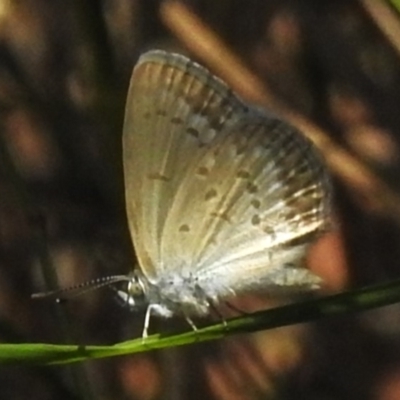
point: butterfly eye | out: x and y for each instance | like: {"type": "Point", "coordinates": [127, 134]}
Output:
{"type": "Point", "coordinates": [136, 287]}
{"type": "Point", "coordinates": [135, 294]}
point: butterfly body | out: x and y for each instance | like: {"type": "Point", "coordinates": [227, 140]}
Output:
{"type": "Point", "coordinates": [222, 198]}
{"type": "Point", "coordinates": [168, 296]}
{"type": "Point", "coordinates": [195, 295]}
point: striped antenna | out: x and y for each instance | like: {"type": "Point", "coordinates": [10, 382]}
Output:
{"type": "Point", "coordinates": [81, 288]}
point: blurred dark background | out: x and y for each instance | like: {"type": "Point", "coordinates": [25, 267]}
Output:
{"type": "Point", "coordinates": [64, 73]}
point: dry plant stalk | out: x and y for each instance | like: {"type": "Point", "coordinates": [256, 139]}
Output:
{"type": "Point", "coordinates": [207, 46]}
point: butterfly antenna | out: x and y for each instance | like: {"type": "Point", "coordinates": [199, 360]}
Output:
{"type": "Point", "coordinates": [81, 288]}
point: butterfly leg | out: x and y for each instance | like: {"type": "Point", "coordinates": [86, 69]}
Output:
{"type": "Point", "coordinates": [146, 324]}
{"type": "Point", "coordinates": [191, 323]}
{"type": "Point", "coordinates": [236, 309]}
{"type": "Point", "coordinates": [216, 311]}
{"type": "Point", "coordinates": [212, 305]}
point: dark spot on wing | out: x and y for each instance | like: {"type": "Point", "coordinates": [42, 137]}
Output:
{"type": "Point", "coordinates": [243, 174]}
{"type": "Point", "coordinates": [202, 171]}
{"type": "Point", "coordinates": [221, 215]}
{"type": "Point", "coordinates": [251, 187]}
{"type": "Point", "coordinates": [210, 194]}
{"type": "Point", "coordinates": [177, 120]}
{"type": "Point", "coordinates": [240, 150]}
{"type": "Point", "coordinates": [161, 113]}
{"type": "Point", "coordinates": [269, 230]}
{"type": "Point", "coordinates": [193, 132]}
{"type": "Point", "coordinates": [159, 177]}
{"type": "Point", "coordinates": [256, 203]}
{"type": "Point", "coordinates": [184, 228]}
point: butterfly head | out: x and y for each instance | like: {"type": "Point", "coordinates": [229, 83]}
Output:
{"type": "Point", "coordinates": [134, 295]}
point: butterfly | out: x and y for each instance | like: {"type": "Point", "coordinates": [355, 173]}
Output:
{"type": "Point", "coordinates": [222, 197]}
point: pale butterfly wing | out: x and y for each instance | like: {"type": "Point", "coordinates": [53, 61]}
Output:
{"type": "Point", "coordinates": [248, 223]}
{"type": "Point", "coordinates": [216, 189]}
{"type": "Point", "coordinates": [165, 96]}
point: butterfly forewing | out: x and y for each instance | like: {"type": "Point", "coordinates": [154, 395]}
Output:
{"type": "Point", "coordinates": [172, 113]}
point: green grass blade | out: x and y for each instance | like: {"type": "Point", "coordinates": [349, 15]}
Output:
{"type": "Point", "coordinates": [306, 311]}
